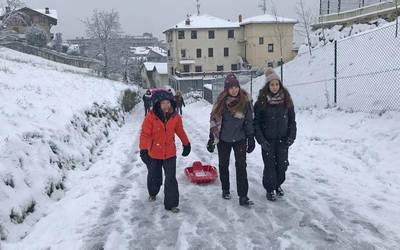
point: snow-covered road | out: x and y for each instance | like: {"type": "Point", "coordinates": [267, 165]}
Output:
{"type": "Point", "coordinates": [341, 194]}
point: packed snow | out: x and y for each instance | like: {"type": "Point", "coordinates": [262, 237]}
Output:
{"type": "Point", "coordinates": [341, 193]}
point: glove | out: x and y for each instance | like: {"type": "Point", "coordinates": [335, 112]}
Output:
{"type": "Point", "coordinates": [144, 155]}
{"type": "Point", "coordinates": [289, 142]}
{"type": "Point", "coordinates": [186, 150]}
{"type": "Point", "coordinates": [265, 145]}
{"type": "Point", "coordinates": [251, 144]}
{"type": "Point", "coordinates": [210, 146]}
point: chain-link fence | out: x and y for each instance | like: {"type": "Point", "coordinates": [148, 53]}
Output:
{"type": "Point", "coordinates": [360, 73]}
{"type": "Point", "coordinates": [210, 83]}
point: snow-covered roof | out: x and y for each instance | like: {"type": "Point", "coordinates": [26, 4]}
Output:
{"type": "Point", "coordinates": [144, 51]}
{"type": "Point", "coordinates": [159, 51]}
{"type": "Point", "coordinates": [205, 22]}
{"type": "Point", "coordinates": [267, 19]}
{"type": "Point", "coordinates": [162, 68]}
{"type": "Point", "coordinates": [140, 50]}
{"type": "Point", "coordinates": [52, 13]}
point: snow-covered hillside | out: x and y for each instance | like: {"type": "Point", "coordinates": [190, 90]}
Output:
{"type": "Point", "coordinates": [53, 118]}
{"type": "Point", "coordinates": [368, 73]}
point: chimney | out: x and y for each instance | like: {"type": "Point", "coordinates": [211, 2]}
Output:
{"type": "Point", "coordinates": [187, 22]}
{"type": "Point", "coordinates": [47, 11]}
{"type": "Point", "coordinates": [8, 9]}
{"type": "Point", "coordinates": [240, 18]}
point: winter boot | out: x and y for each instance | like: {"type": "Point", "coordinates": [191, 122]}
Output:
{"type": "Point", "coordinates": [226, 195]}
{"type": "Point", "coordinates": [174, 210]}
{"type": "Point", "coordinates": [152, 198]}
{"type": "Point", "coordinates": [271, 196]}
{"type": "Point", "coordinates": [280, 192]}
{"type": "Point", "coordinates": [245, 201]}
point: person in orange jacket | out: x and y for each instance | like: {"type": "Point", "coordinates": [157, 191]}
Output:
{"type": "Point", "coordinates": [158, 149]}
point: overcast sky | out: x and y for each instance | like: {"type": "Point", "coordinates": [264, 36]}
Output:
{"type": "Point", "coordinates": [138, 16]}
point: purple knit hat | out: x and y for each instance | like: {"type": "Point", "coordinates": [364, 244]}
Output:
{"type": "Point", "coordinates": [231, 81]}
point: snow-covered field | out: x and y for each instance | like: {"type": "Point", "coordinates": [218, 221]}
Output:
{"type": "Point", "coordinates": [341, 193]}
{"type": "Point", "coordinates": [53, 118]}
{"type": "Point", "coordinates": [368, 73]}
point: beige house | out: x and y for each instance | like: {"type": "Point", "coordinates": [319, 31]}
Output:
{"type": "Point", "coordinates": [204, 43]}
{"type": "Point", "coordinates": [19, 20]}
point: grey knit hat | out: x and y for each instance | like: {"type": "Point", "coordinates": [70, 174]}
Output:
{"type": "Point", "coordinates": [271, 75]}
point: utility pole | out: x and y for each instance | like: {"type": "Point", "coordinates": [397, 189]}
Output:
{"type": "Point", "coordinates": [397, 18]}
{"type": "Point", "coordinates": [263, 6]}
{"type": "Point", "coordinates": [198, 7]}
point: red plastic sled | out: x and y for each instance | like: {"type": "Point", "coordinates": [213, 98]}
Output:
{"type": "Point", "coordinates": [199, 173]}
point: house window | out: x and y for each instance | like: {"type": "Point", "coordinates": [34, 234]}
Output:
{"type": "Point", "coordinates": [186, 68]}
{"type": "Point", "coordinates": [270, 64]}
{"type": "Point", "coordinates": [271, 47]}
{"type": "Point", "coordinates": [169, 53]}
{"type": "Point", "coordinates": [198, 53]}
{"type": "Point", "coordinates": [220, 67]}
{"type": "Point", "coordinates": [210, 52]}
{"type": "Point", "coordinates": [194, 34]}
{"type": "Point", "coordinates": [231, 34]}
{"type": "Point", "coordinates": [181, 34]}
{"type": "Point", "coordinates": [211, 34]}
{"type": "Point", "coordinates": [169, 37]}
{"type": "Point", "coordinates": [199, 69]}
{"type": "Point", "coordinates": [226, 52]}
{"type": "Point", "coordinates": [172, 70]}
{"type": "Point", "coordinates": [234, 67]}
{"type": "Point", "coordinates": [183, 53]}
{"type": "Point", "coordinates": [261, 40]}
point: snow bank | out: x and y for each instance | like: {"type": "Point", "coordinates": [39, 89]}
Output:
{"type": "Point", "coordinates": [53, 118]}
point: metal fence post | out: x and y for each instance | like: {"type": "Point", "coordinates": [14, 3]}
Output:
{"type": "Point", "coordinates": [251, 83]}
{"type": "Point", "coordinates": [335, 76]}
{"type": "Point", "coordinates": [282, 69]}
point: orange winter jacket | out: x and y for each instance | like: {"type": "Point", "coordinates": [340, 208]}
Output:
{"type": "Point", "coordinates": [159, 137]}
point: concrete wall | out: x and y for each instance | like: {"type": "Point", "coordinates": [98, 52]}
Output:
{"type": "Point", "coordinates": [55, 56]}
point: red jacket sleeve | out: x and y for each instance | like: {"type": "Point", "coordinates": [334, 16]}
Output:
{"type": "Point", "coordinates": [181, 132]}
{"type": "Point", "coordinates": [146, 133]}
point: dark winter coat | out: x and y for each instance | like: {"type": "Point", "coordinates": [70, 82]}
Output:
{"type": "Point", "coordinates": [147, 100]}
{"type": "Point", "coordinates": [179, 101]}
{"type": "Point", "coordinates": [274, 122]}
{"type": "Point", "coordinates": [235, 128]}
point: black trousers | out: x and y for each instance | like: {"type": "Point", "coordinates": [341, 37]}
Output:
{"type": "Point", "coordinates": [155, 179]}
{"type": "Point", "coordinates": [146, 109]}
{"type": "Point", "coordinates": [275, 165]}
{"type": "Point", "coordinates": [179, 109]}
{"type": "Point", "coordinates": [224, 152]}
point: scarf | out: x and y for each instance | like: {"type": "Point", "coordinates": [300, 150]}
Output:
{"type": "Point", "coordinates": [275, 99]}
{"type": "Point", "coordinates": [231, 104]}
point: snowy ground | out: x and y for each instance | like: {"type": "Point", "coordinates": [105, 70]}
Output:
{"type": "Point", "coordinates": [341, 194]}
{"type": "Point", "coordinates": [54, 118]}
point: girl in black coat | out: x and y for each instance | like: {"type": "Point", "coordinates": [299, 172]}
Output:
{"type": "Point", "coordinates": [275, 126]}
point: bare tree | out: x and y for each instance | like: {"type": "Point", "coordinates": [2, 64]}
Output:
{"type": "Point", "coordinates": [15, 4]}
{"type": "Point", "coordinates": [306, 17]}
{"type": "Point", "coordinates": [278, 33]}
{"type": "Point", "coordinates": [104, 26]}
